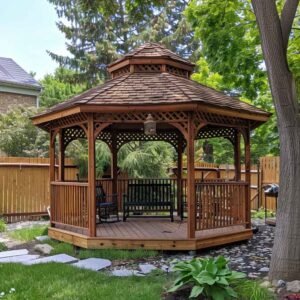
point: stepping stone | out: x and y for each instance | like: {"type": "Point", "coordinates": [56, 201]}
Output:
{"type": "Point", "coordinates": [42, 238]}
{"type": "Point", "coordinates": [59, 258]}
{"type": "Point", "coordinates": [94, 264]}
{"type": "Point", "coordinates": [18, 259]}
{"type": "Point", "coordinates": [43, 248]}
{"type": "Point", "coordinates": [126, 272]}
{"type": "Point", "coordinates": [10, 253]}
{"type": "Point", "coordinates": [147, 268]}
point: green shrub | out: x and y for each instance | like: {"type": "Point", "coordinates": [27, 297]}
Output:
{"type": "Point", "coordinates": [210, 277]}
{"type": "Point", "coordinates": [2, 247]}
{"type": "Point", "coordinates": [260, 214]}
{"type": "Point", "coordinates": [2, 225]}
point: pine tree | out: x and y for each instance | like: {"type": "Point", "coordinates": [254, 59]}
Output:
{"type": "Point", "coordinates": [99, 31]}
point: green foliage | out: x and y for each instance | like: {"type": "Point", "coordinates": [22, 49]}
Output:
{"type": "Point", "coordinates": [260, 214]}
{"type": "Point", "coordinates": [138, 159]}
{"type": "Point", "coordinates": [60, 281]}
{"type": "Point", "coordinates": [252, 290]}
{"type": "Point", "coordinates": [2, 225]}
{"type": "Point", "coordinates": [210, 277]}
{"type": "Point", "coordinates": [229, 40]}
{"type": "Point", "coordinates": [19, 137]}
{"type": "Point", "coordinates": [99, 31]}
{"type": "Point", "coordinates": [112, 254]}
{"type": "Point", "coordinates": [28, 234]}
{"type": "Point", "coordinates": [2, 247]}
{"type": "Point", "coordinates": [146, 159]}
{"type": "Point", "coordinates": [57, 87]}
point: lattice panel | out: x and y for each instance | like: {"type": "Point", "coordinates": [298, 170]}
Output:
{"type": "Point", "coordinates": [66, 121]}
{"type": "Point", "coordinates": [212, 132]}
{"type": "Point", "coordinates": [171, 137]}
{"type": "Point", "coordinates": [140, 117]}
{"type": "Point", "coordinates": [121, 71]}
{"type": "Point", "coordinates": [176, 71]}
{"type": "Point", "coordinates": [73, 133]}
{"type": "Point", "coordinates": [147, 68]}
{"type": "Point", "coordinates": [222, 120]}
{"type": "Point", "coordinates": [105, 136]}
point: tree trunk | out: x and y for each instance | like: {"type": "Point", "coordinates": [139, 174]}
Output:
{"type": "Point", "coordinates": [285, 261]}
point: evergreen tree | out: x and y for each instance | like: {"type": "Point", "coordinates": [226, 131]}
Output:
{"type": "Point", "coordinates": [99, 31]}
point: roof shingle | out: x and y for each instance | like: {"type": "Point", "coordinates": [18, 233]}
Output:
{"type": "Point", "coordinates": [12, 73]}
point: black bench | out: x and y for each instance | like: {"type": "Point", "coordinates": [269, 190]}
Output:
{"type": "Point", "coordinates": [148, 197]}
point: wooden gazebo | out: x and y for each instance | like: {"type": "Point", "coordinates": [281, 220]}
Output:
{"type": "Point", "coordinates": [151, 80]}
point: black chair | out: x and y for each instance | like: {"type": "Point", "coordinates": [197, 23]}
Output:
{"type": "Point", "coordinates": [107, 206]}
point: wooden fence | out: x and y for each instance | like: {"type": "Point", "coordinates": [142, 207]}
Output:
{"type": "Point", "coordinates": [25, 188]}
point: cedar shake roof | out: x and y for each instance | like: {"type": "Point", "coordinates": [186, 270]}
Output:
{"type": "Point", "coordinates": [158, 83]}
{"type": "Point", "coordinates": [11, 73]}
{"type": "Point", "coordinates": [154, 88]}
{"type": "Point", "coordinates": [152, 50]}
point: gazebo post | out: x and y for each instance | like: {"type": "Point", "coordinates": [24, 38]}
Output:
{"type": "Point", "coordinates": [179, 175]}
{"type": "Point", "coordinates": [237, 156]}
{"type": "Point", "coordinates": [114, 164]}
{"type": "Point", "coordinates": [91, 177]}
{"type": "Point", "coordinates": [191, 222]}
{"type": "Point", "coordinates": [61, 156]}
{"type": "Point", "coordinates": [247, 177]}
{"type": "Point", "coordinates": [51, 170]}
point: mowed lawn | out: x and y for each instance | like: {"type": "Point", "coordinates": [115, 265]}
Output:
{"type": "Point", "coordinates": [58, 281]}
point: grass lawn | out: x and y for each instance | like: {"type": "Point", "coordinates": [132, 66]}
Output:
{"type": "Point", "coordinates": [57, 281]}
{"type": "Point", "coordinates": [28, 234]}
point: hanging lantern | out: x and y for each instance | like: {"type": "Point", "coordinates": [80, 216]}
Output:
{"type": "Point", "coordinates": [150, 126]}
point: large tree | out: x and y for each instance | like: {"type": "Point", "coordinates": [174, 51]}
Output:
{"type": "Point", "coordinates": [275, 31]}
{"type": "Point", "coordinates": [98, 31]}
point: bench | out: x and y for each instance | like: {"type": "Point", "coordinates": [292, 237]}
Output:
{"type": "Point", "coordinates": [148, 197]}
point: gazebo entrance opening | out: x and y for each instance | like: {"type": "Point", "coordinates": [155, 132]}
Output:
{"type": "Point", "coordinates": [151, 84]}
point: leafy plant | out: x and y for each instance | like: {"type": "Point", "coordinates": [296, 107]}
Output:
{"type": "Point", "coordinates": [260, 214]}
{"type": "Point", "coordinates": [2, 247]}
{"type": "Point", "coordinates": [210, 277]}
{"type": "Point", "coordinates": [2, 225]}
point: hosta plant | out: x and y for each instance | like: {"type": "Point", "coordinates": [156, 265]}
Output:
{"type": "Point", "coordinates": [210, 277]}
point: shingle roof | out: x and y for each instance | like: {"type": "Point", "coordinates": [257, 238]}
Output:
{"type": "Point", "coordinates": [152, 50]}
{"type": "Point", "coordinates": [12, 73]}
{"type": "Point", "coordinates": [154, 88]}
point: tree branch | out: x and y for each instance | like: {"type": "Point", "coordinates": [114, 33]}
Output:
{"type": "Point", "coordinates": [287, 17]}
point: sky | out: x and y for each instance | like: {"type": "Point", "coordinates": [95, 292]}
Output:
{"type": "Point", "coordinates": [27, 30]}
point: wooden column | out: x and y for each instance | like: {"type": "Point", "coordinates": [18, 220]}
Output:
{"type": "Point", "coordinates": [247, 177]}
{"type": "Point", "coordinates": [61, 157]}
{"type": "Point", "coordinates": [91, 177]}
{"type": "Point", "coordinates": [114, 164]}
{"type": "Point", "coordinates": [51, 171]}
{"type": "Point", "coordinates": [237, 156]}
{"type": "Point", "coordinates": [179, 176]}
{"type": "Point", "coordinates": [191, 195]}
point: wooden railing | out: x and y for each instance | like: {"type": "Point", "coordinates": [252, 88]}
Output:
{"type": "Point", "coordinates": [220, 204]}
{"type": "Point", "coordinates": [69, 203]}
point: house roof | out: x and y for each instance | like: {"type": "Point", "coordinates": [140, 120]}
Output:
{"type": "Point", "coordinates": [12, 74]}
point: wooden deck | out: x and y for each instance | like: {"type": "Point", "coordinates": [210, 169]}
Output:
{"type": "Point", "coordinates": [159, 234]}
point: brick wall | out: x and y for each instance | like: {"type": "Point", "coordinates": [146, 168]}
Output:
{"type": "Point", "coordinates": [10, 99]}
